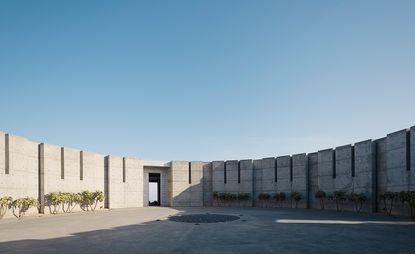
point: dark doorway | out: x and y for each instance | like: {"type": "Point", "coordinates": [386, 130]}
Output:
{"type": "Point", "coordinates": [154, 189]}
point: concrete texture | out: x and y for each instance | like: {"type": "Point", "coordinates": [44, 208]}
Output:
{"type": "Point", "coordinates": [258, 231]}
{"type": "Point", "coordinates": [371, 167]}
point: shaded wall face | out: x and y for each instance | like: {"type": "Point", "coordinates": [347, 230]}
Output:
{"type": "Point", "coordinates": [186, 183]}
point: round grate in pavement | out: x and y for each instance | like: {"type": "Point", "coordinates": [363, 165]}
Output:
{"type": "Point", "coordinates": [203, 218]}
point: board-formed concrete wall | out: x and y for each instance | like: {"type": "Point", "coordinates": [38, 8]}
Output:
{"type": "Point", "coordinates": [371, 167]}
{"type": "Point", "coordinates": [18, 168]}
{"type": "Point", "coordinates": [69, 170]}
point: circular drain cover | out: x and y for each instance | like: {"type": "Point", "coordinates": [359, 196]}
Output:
{"type": "Point", "coordinates": [203, 218]}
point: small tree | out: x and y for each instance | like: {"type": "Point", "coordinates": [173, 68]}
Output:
{"type": "Point", "coordinates": [264, 197]}
{"type": "Point", "coordinates": [339, 198]}
{"type": "Point", "coordinates": [54, 201]}
{"type": "Point", "coordinates": [358, 199]}
{"type": "Point", "coordinates": [4, 205]}
{"type": "Point", "coordinates": [321, 195]}
{"type": "Point", "coordinates": [243, 197]}
{"type": "Point", "coordinates": [280, 198]}
{"type": "Point", "coordinates": [411, 201]}
{"type": "Point", "coordinates": [97, 196]}
{"type": "Point", "coordinates": [390, 198]}
{"type": "Point", "coordinates": [21, 205]}
{"type": "Point", "coordinates": [296, 197]}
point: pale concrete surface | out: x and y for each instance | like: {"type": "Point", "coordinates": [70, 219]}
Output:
{"type": "Point", "coordinates": [258, 231]}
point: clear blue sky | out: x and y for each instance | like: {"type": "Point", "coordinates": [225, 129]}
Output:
{"type": "Point", "coordinates": [206, 80]}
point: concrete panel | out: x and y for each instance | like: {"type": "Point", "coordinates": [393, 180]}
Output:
{"type": "Point", "coordinates": [299, 183]}
{"type": "Point", "coordinates": [207, 185]}
{"type": "Point", "coordinates": [218, 168]}
{"type": "Point", "coordinates": [365, 173]}
{"type": "Point", "coordinates": [257, 174]}
{"type": "Point", "coordinates": [133, 185]}
{"type": "Point", "coordinates": [22, 178]}
{"type": "Point", "coordinates": [313, 178]}
{"type": "Point", "coordinates": [115, 182]}
{"type": "Point", "coordinates": [396, 174]}
{"type": "Point", "coordinates": [343, 180]}
{"type": "Point", "coordinates": [284, 175]}
{"type": "Point", "coordinates": [180, 183]}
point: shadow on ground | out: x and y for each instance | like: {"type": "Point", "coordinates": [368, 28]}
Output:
{"type": "Point", "coordinates": [257, 231]}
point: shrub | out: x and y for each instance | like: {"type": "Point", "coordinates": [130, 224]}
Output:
{"type": "Point", "coordinates": [54, 201]}
{"type": "Point", "coordinates": [390, 198]}
{"type": "Point", "coordinates": [89, 200]}
{"type": "Point", "coordinates": [21, 205]}
{"type": "Point", "coordinates": [243, 196]}
{"type": "Point", "coordinates": [321, 195]}
{"type": "Point", "coordinates": [339, 198]}
{"type": "Point", "coordinates": [215, 195]}
{"type": "Point", "coordinates": [296, 197]}
{"type": "Point", "coordinates": [280, 197]}
{"type": "Point", "coordinates": [264, 196]}
{"type": "Point", "coordinates": [4, 205]}
{"type": "Point", "coordinates": [358, 199]}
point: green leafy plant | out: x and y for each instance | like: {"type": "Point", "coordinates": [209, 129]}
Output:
{"type": "Point", "coordinates": [296, 197]}
{"type": "Point", "coordinates": [358, 200]}
{"type": "Point", "coordinates": [280, 198]}
{"type": "Point", "coordinates": [4, 205]}
{"type": "Point", "coordinates": [216, 195]}
{"type": "Point", "coordinates": [264, 196]}
{"type": "Point", "coordinates": [21, 205]}
{"type": "Point", "coordinates": [89, 200]}
{"type": "Point", "coordinates": [243, 196]}
{"type": "Point", "coordinates": [390, 199]}
{"type": "Point", "coordinates": [54, 201]}
{"type": "Point", "coordinates": [339, 197]}
{"type": "Point", "coordinates": [321, 195]}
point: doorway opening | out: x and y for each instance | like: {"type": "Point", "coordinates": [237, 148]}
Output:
{"type": "Point", "coordinates": [154, 189]}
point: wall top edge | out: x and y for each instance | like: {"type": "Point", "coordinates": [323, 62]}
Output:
{"type": "Point", "coordinates": [284, 156]}
{"type": "Point", "coordinates": [397, 132]}
{"type": "Point", "coordinates": [343, 146]}
{"type": "Point", "coordinates": [326, 150]}
{"type": "Point", "coordinates": [364, 141]}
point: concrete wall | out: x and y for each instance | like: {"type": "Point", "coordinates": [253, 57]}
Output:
{"type": "Point", "coordinates": [21, 164]}
{"type": "Point", "coordinates": [61, 171]}
{"type": "Point", "coordinates": [299, 182]}
{"type": "Point", "coordinates": [164, 181]}
{"type": "Point", "coordinates": [370, 167]}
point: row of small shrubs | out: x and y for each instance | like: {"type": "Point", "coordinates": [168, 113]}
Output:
{"type": "Point", "coordinates": [67, 201]}
{"type": "Point", "coordinates": [18, 206]}
{"type": "Point", "coordinates": [340, 197]}
{"type": "Point", "coordinates": [280, 197]}
{"type": "Point", "coordinates": [56, 201]}
{"type": "Point", "coordinates": [389, 199]}
{"type": "Point", "coordinates": [231, 197]}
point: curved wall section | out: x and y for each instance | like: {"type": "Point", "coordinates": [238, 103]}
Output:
{"type": "Point", "coordinates": [370, 167]}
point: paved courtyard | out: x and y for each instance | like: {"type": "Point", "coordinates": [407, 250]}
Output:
{"type": "Point", "coordinates": [149, 230]}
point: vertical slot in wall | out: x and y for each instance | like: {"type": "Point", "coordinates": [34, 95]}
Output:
{"type": "Point", "coordinates": [224, 172]}
{"type": "Point", "coordinates": [123, 170]}
{"type": "Point", "coordinates": [239, 172]}
{"type": "Point", "coordinates": [6, 154]}
{"type": "Point", "coordinates": [334, 163]}
{"type": "Point", "coordinates": [353, 161]}
{"type": "Point", "coordinates": [291, 168]}
{"type": "Point", "coordinates": [62, 163]}
{"type": "Point", "coordinates": [81, 165]}
{"type": "Point", "coordinates": [275, 170]}
{"type": "Point", "coordinates": [190, 173]}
